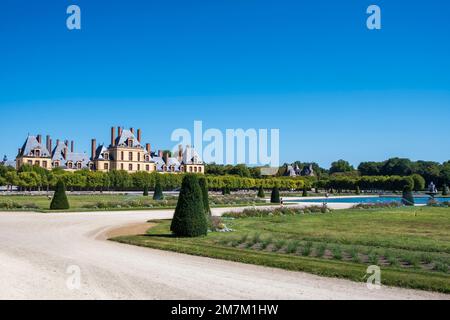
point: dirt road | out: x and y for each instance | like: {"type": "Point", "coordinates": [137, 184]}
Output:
{"type": "Point", "coordinates": [37, 249]}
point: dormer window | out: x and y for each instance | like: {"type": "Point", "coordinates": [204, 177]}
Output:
{"type": "Point", "coordinates": [130, 143]}
{"type": "Point", "coordinates": [70, 165]}
{"type": "Point", "coordinates": [106, 156]}
{"type": "Point", "coordinates": [79, 165]}
{"type": "Point", "coordinates": [147, 158]}
{"type": "Point", "coordinates": [37, 153]}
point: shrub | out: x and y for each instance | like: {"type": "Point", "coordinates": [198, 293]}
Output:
{"type": "Point", "coordinates": [226, 191]}
{"type": "Point", "coordinates": [265, 243]}
{"type": "Point", "coordinates": [377, 205]}
{"type": "Point", "coordinates": [305, 192]}
{"type": "Point", "coordinates": [279, 244]}
{"type": "Point", "coordinates": [407, 198]}
{"type": "Point", "coordinates": [275, 197]}
{"type": "Point", "coordinates": [337, 253]}
{"type": "Point", "coordinates": [261, 193]}
{"type": "Point", "coordinates": [306, 250]}
{"type": "Point", "coordinates": [320, 250]}
{"type": "Point", "coordinates": [373, 258]}
{"type": "Point", "coordinates": [355, 255]}
{"type": "Point", "coordinates": [60, 201]}
{"type": "Point", "coordinates": [189, 219]}
{"type": "Point", "coordinates": [357, 191]}
{"type": "Point", "coordinates": [158, 195]}
{"type": "Point", "coordinates": [145, 191]}
{"type": "Point", "coordinates": [445, 190]}
{"type": "Point", "coordinates": [440, 266]}
{"type": "Point", "coordinates": [205, 194]}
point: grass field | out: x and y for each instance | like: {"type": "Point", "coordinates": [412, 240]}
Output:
{"type": "Point", "coordinates": [99, 202]}
{"type": "Point", "coordinates": [411, 245]}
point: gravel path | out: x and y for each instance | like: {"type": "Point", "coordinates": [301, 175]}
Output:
{"type": "Point", "coordinates": [37, 249]}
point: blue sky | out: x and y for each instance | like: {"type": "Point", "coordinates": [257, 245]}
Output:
{"type": "Point", "coordinates": [310, 68]}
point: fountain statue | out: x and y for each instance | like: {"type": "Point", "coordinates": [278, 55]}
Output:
{"type": "Point", "coordinates": [432, 190]}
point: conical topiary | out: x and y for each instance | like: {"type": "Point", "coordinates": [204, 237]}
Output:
{"type": "Point", "coordinates": [305, 192]}
{"type": "Point", "coordinates": [204, 186]}
{"type": "Point", "coordinates": [261, 193]}
{"type": "Point", "coordinates": [445, 190]}
{"type": "Point", "coordinates": [145, 191]}
{"type": "Point", "coordinates": [226, 191]}
{"type": "Point", "coordinates": [60, 201]}
{"type": "Point", "coordinates": [190, 219]}
{"type": "Point", "coordinates": [275, 197]}
{"type": "Point", "coordinates": [158, 195]}
{"type": "Point", "coordinates": [408, 198]}
{"type": "Point", "coordinates": [357, 191]}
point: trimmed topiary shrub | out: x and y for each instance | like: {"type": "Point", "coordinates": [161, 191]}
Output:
{"type": "Point", "coordinates": [261, 193]}
{"type": "Point", "coordinates": [408, 198]}
{"type": "Point", "coordinates": [445, 190]}
{"type": "Point", "coordinates": [275, 197]}
{"type": "Point", "coordinates": [60, 201]}
{"type": "Point", "coordinates": [305, 192]}
{"type": "Point", "coordinates": [158, 195]}
{"type": "Point", "coordinates": [226, 191]}
{"type": "Point", "coordinates": [145, 191]}
{"type": "Point", "coordinates": [190, 219]}
{"type": "Point", "coordinates": [205, 194]}
{"type": "Point", "coordinates": [357, 191]}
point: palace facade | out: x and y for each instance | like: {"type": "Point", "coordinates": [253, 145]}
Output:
{"type": "Point", "coordinates": [125, 152]}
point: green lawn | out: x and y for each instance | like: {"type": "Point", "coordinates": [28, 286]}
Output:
{"type": "Point", "coordinates": [411, 245]}
{"type": "Point", "coordinates": [99, 202]}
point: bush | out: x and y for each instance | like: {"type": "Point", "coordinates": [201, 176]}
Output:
{"type": "Point", "coordinates": [226, 191]}
{"type": "Point", "coordinates": [408, 198]}
{"type": "Point", "coordinates": [190, 219]}
{"type": "Point", "coordinates": [158, 195]}
{"type": "Point", "coordinates": [261, 193]}
{"type": "Point", "coordinates": [145, 191]}
{"type": "Point", "coordinates": [305, 192]}
{"type": "Point", "coordinates": [60, 201]}
{"type": "Point", "coordinates": [357, 191]}
{"type": "Point", "coordinates": [445, 190]}
{"type": "Point", "coordinates": [205, 194]}
{"type": "Point", "coordinates": [275, 197]}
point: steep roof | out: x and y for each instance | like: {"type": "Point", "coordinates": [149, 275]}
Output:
{"type": "Point", "coordinates": [125, 136]}
{"type": "Point", "coordinates": [100, 151]}
{"type": "Point", "coordinates": [31, 144]}
{"type": "Point", "coordinates": [74, 157]}
{"type": "Point", "coordinates": [190, 156]}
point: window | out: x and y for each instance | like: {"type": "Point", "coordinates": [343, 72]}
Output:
{"type": "Point", "coordinates": [190, 169]}
{"type": "Point", "coordinates": [121, 166]}
{"type": "Point", "coordinates": [56, 164]}
{"type": "Point", "coordinates": [106, 156]}
{"type": "Point", "coordinates": [147, 167]}
{"type": "Point", "coordinates": [79, 165]}
{"type": "Point", "coordinates": [44, 164]}
{"type": "Point", "coordinates": [37, 153]}
{"type": "Point", "coordinates": [122, 157]}
{"type": "Point", "coordinates": [195, 169]}
{"type": "Point", "coordinates": [147, 158]}
{"type": "Point", "coordinates": [30, 162]}
{"type": "Point", "coordinates": [130, 156]}
{"type": "Point", "coordinates": [70, 165]}
{"type": "Point", "coordinates": [130, 167]}
{"type": "Point", "coordinates": [130, 143]}
{"type": "Point", "coordinates": [106, 166]}
{"type": "Point", "coordinates": [37, 163]}
{"type": "Point", "coordinates": [139, 156]}
{"type": "Point", "coordinates": [139, 167]}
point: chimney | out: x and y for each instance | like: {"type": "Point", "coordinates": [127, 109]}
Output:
{"type": "Point", "coordinates": [132, 130]}
{"type": "Point", "coordinates": [39, 138]}
{"type": "Point", "coordinates": [19, 152]}
{"type": "Point", "coordinates": [66, 142]}
{"type": "Point", "coordinates": [166, 157]}
{"type": "Point", "coordinates": [93, 148]}
{"type": "Point", "coordinates": [119, 129]}
{"type": "Point", "coordinates": [180, 152]}
{"type": "Point", "coordinates": [139, 137]}
{"type": "Point", "coordinates": [160, 153]}
{"type": "Point", "coordinates": [48, 144]}
{"type": "Point", "coordinates": [113, 136]}
{"type": "Point", "coordinates": [65, 152]}
{"type": "Point", "coordinates": [149, 148]}
{"type": "Point", "coordinates": [72, 145]}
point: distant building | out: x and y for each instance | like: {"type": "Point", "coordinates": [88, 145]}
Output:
{"type": "Point", "coordinates": [126, 152]}
{"type": "Point", "coordinates": [295, 171]}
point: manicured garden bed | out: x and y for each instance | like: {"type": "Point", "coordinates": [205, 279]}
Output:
{"type": "Point", "coordinates": [411, 245]}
